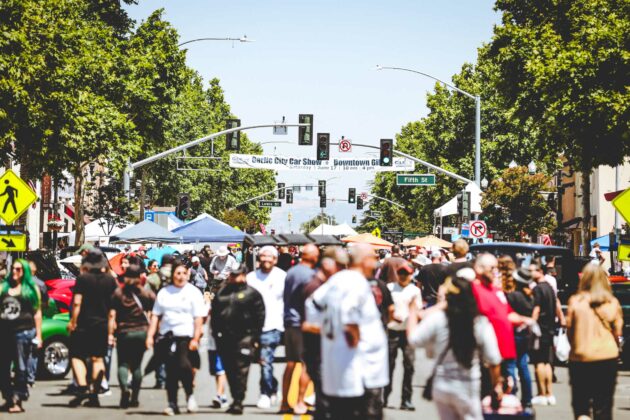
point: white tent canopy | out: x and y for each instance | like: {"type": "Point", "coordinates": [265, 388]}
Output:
{"type": "Point", "coordinates": [96, 231]}
{"type": "Point", "coordinates": [450, 207]}
{"type": "Point", "coordinates": [336, 230]}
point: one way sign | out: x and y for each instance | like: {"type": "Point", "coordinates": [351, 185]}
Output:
{"type": "Point", "coordinates": [478, 229]}
{"type": "Point", "coordinates": [12, 242]}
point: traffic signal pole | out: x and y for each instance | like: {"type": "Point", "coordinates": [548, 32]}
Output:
{"type": "Point", "coordinates": [133, 166]}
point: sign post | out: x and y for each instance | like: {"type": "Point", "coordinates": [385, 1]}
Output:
{"type": "Point", "coordinates": [415, 180]}
{"type": "Point", "coordinates": [269, 203]}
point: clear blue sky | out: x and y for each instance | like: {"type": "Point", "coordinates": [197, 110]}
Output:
{"type": "Point", "coordinates": [318, 57]}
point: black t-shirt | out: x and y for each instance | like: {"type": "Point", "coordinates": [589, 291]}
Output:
{"type": "Point", "coordinates": [521, 303]}
{"type": "Point", "coordinates": [431, 277]}
{"type": "Point", "coordinates": [545, 298]}
{"type": "Point", "coordinates": [456, 266]}
{"type": "Point", "coordinates": [16, 313]}
{"type": "Point", "coordinates": [130, 310]}
{"type": "Point", "coordinates": [383, 298]}
{"type": "Point", "coordinates": [96, 289]}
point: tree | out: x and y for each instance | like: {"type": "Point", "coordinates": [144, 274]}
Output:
{"type": "Point", "coordinates": [240, 220]}
{"type": "Point", "coordinates": [309, 225]}
{"type": "Point", "coordinates": [107, 202]}
{"type": "Point", "coordinates": [563, 69]}
{"type": "Point", "coordinates": [515, 207]}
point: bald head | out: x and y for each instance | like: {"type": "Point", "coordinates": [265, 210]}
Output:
{"type": "Point", "coordinates": [363, 259]}
{"type": "Point", "coordinates": [486, 266]}
{"type": "Point", "coordinates": [310, 255]}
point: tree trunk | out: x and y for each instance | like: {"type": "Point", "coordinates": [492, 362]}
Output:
{"type": "Point", "coordinates": [143, 191]}
{"type": "Point", "coordinates": [79, 227]}
{"type": "Point", "coordinates": [586, 212]}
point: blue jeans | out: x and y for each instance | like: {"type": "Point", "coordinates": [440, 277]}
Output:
{"type": "Point", "coordinates": [16, 350]}
{"type": "Point", "coordinates": [269, 340]}
{"type": "Point", "coordinates": [521, 363]}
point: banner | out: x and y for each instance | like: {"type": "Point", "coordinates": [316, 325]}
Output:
{"type": "Point", "coordinates": [282, 163]}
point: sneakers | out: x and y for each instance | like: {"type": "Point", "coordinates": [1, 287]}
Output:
{"type": "Point", "coordinates": [551, 400]}
{"type": "Point", "coordinates": [191, 405]}
{"type": "Point", "coordinates": [235, 408]}
{"type": "Point", "coordinates": [310, 400]}
{"type": "Point", "coordinates": [220, 401]}
{"type": "Point", "coordinates": [540, 400]}
{"type": "Point", "coordinates": [264, 402]}
{"type": "Point", "coordinates": [125, 396]}
{"type": "Point", "coordinates": [274, 399]}
{"type": "Point", "coordinates": [407, 406]}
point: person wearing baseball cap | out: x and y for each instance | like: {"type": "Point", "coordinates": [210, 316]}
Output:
{"type": "Point", "coordinates": [198, 274]}
{"type": "Point", "coordinates": [404, 293]}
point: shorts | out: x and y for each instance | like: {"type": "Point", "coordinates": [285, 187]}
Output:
{"type": "Point", "coordinates": [294, 344]}
{"type": "Point", "coordinates": [215, 363]}
{"type": "Point", "coordinates": [544, 353]}
{"type": "Point", "coordinates": [92, 342]}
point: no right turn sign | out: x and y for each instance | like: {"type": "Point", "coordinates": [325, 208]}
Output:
{"type": "Point", "coordinates": [478, 229]}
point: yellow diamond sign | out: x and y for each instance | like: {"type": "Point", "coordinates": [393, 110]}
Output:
{"type": "Point", "coordinates": [376, 232]}
{"type": "Point", "coordinates": [10, 242]}
{"type": "Point", "coordinates": [15, 196]}
{"type": "Point", "coordinates": [622, 204]}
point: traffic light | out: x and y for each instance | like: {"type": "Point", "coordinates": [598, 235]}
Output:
{"type": "Point", "coordinates": [281, 191]}
{"type": "Point", "coordinates": [352, 195]}
{"type": "Point", "coordinates": [289, 196]}
{"type": "Point", "coordinates": [183, 206]}
{"type": "Point", "coordinates": [305, 134]}
{"type": "Point", "coordinates": [323, 146]}
{"type": "Point", "coordinates": [463, 205]}
{"type": "Point", "coordinates": [321, 188]}
{"type": "Point", "coordinates": [359, 203]}
{"type": "Point", "coordinates": [322, 201]}
{"type": "Point", "coordinates": [387, 151]}
{"type": "Point", "coordinates": [233, 140]}
{"type": "Point", "coordinates": [354, 218]}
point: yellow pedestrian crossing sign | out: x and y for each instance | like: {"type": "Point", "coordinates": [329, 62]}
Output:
{"type": "Point", "coordinates": [15, 196]}
{"type": "Point", "coordinates": [622, 204]}
{"type": "Point", "coordinates": [376, 232]}
{"type": "Point", "coordinates": [9, 242]}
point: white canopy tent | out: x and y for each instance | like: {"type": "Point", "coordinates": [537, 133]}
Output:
{"type": "Point", "coordinates": [96, 231]}
{"type": "Point", "coordinates": [336, 230]}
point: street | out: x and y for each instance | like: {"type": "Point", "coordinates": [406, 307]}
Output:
{"type": "Point", "coordinates": [46, 403]}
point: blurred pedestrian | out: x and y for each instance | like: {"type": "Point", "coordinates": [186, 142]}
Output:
{"type": "Point", "coordinates": [88, 325]}
{"type": "Point", "coordinates": [297, 277]}
{"type": "Point", "coordinates": [20, 332]}
{"type": "Point", "coordinates": [521, 299]}
{"type": "Point", "coordinates": [545, 312]}
{"type": "Point", "coordinates": [237, 320]}
{"type": "Point", "coordinates": [404, 293]}
{"type": "Point", "coordinates": [460, 339]}
{"type": "Point", "coordinates": [220, 267]}
{"type": "Point", "coordinates": [128, 325]}
{"type": "Point", "coordinates": [460, 254]}
{"type": "Point", "coordinates": [595, 326]}
{"type": "Point", "coordinates": [334, 259]}
{"type": "Point", "coordinates": [506, 268]}
{"type": "Point", "coordinates": [431, 277]}
{"type": "Point", "coordinates": [198, 275]}
{"type": "Point", "coordinates": [178, 312]}
{"type": "Point", "coordinates": [33, 361]}
{"type": "Point", "coordinates": [154, 283]}
{"type": "Point", "coordinates": [269, 281]}
{"type": "Point", "coordinates": [354, 344]}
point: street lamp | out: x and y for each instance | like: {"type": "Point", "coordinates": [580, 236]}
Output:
{"type": "Point", "coordinates": [477, 99]}
{"type": "Point", "coordinates": [531, 167]}
{"type": "Point", "coordinates": [484, 183]}
{"type": "Point", "coordinates": [512, 165]}
{"type": "Point", "coordinates": [241, 39]}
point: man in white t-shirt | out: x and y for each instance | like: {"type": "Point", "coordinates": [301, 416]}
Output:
{"type": "Point", "coordinates": [269, 281]}
{"type": "Point", "coordinates": [354, 345]}
{"type": "Point", "coordinates": [404, 292]}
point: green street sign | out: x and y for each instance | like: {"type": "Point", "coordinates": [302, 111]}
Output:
{"type": "Point", "coordinates": [414, 180]}
{"type": "Point", "coordinates": [269, 203]}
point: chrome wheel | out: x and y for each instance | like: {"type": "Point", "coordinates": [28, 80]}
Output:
{"type": "Point", "coordinates": [56, 360]}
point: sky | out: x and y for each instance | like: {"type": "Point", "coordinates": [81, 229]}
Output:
{"type": "Point", "coordinates": [319, 57]}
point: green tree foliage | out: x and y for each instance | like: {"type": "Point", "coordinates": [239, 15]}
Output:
{"type": "Point", "coordinates": [563, 67]}
{"type": "Point", "coordinates": [107, 201]}
{"type": "Point", "coordinates": [311, 224]}
{"type": "Point", "coordinates": [513, 204]}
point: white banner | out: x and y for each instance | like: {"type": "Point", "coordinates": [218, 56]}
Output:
{"type": "Point", "coordinates": [282, 163]}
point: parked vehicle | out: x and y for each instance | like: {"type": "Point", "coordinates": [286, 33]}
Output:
{"type": "Point", "coordinates": [54, 357]}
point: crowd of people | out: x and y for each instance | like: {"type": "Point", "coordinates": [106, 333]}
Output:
{"type": "Point", "coordinates": [342, 316]}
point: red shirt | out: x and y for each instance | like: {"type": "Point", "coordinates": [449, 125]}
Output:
{"type": "Point", "coordinates": [492, 304]}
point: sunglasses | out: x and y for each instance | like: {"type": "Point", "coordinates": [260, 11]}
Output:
{"type": "Point", "coordinates": [18, 268]}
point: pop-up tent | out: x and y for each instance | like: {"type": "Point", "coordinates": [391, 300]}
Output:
{"type": "Point", "coordinates": [428, 241]}
{"type": "Point", "coordinates": [208, 229]}
{"type": "Point", "coordinates": [368, 238]}
{"type": "Point", "coordinates": [96, 231]}
{"type": "Point", "coordinates": [145, 232]}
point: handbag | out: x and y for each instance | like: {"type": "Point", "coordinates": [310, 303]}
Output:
{"type": "Point", "coordinates": [427, 394]}
{"type": "Point", "coordinates": [563, 347]}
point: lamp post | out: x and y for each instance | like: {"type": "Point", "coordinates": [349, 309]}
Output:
{"type": "Point", "coordinates": [477, 99]}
